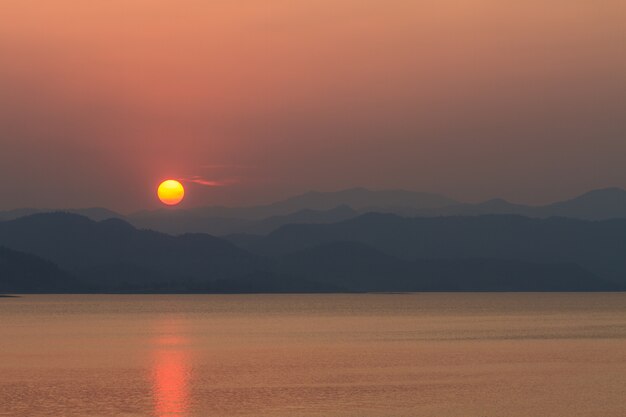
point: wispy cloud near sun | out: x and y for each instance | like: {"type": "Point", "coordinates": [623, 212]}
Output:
{"type": "Point", "coordinates": [207, 182]}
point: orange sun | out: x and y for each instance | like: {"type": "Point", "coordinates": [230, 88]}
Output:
{"type": "Point", "coordinates": [171, 192]}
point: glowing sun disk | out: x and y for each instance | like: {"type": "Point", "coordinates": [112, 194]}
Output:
{"type": "Point", "coordinates": [171, 192]}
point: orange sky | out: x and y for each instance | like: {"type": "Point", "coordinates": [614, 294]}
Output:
{"type": "Point", "coordinates": [101, 100]}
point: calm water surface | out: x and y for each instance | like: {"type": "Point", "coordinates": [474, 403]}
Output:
{"type": "Point", "coordinates": [391, 355]}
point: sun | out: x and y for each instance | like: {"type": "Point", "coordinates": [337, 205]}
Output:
{"type": "Point", "coordinates": [171, 192]}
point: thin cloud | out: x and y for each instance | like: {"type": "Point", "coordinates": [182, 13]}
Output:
{"type": "Point", "coordinates": [206, 182]}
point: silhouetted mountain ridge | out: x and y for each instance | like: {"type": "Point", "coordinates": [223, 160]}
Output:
{"type": "Point", "coordinates": [310, 207]}
{"type": "Point", "coordinates": [351, 265]}
{"type": "Point", "coordinates": [112, 255]}
{"type": "Point", "coordinates": [94, 213]}
{"type": "Point", "coordinates": [24, 272]}
{"type": "Point", "coordinates": [331, 207]}
{"type": "Point", "coordinates": [318, 207]}
{"type": "Point", "coordinates": [602, 204]}
{"type": "Point", "coordinates": [598, 246]}
{"type": "Point", "coordinates": [79, 244]}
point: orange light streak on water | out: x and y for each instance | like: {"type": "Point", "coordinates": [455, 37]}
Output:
{"type": "Point", "coordinates": [171, 374]}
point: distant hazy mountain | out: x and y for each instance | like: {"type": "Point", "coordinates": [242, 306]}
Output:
{"type": "Point", "coordinates": [316, 207]}
{"type": "Point", "coordinates": [312, 207]}
{"type": "Point", "coordinates": [177, 222]}
{"type": "Point", "coordinates": [363, 199]}
{"type": "Point", "coordinates": [23, 272]}
{"type": "Point", "coordinates": [94, 213]}
{"type": "Point", "coordinates": [17, 213]}
{"type": "Point", "coordinates": [268, 225]}
{"type": "Point", "coordinates": [599, 246]}
{"type": "Point", "coordinates": [608, 203]}
{"type": "Point", "coordinates": [595, 205]}
{"type": "Point", "coordinates": [331, 207]}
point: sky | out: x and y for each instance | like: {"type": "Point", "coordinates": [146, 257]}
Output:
{"type": "Point", "coordinates": [248, 101]}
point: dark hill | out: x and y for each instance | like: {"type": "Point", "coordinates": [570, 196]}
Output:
{"type": "Point", "coordinates": [600, 247]}
{"type": "Point", "coordinates": [22, 272]}
{"type": "Point", "coordinates": [372, 252]}
{"type": "Point", "coordinates": [81, 245]}
{"type": "Point", "coordinates": [363, 268]}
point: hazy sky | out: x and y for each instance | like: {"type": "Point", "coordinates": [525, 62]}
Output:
{"type": "Point", "coordinates": [259, 99]}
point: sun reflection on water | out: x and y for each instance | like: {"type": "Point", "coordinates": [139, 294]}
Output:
{"type": "Point", "coordinates": [170, 371]}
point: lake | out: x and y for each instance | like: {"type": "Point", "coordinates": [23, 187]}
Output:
{"type": "Point", "coordinates": [366, 355]}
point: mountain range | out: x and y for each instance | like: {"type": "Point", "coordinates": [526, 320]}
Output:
{"type": "Point", "coordinates": [372, 252]}
{"type": "Point", "coordinates": [23, 272]}
{"type": "Point", "coordinates": [598, 246]}
{"type": "Point", "coordinates": [604, 204]}
{"type": "Point", "coordinates": [351, 240]}
{"type": "Point", "coordinates": [330, 207]}
{"type": "Point", "coordinates": [114, 253]}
